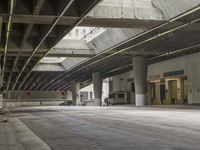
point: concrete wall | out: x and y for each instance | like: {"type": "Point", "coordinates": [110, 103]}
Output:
{"type": "Point", "coordinates": [34, 95]}
{"type": "Point", "coordinates": [36, 98]}
{"type": "Point", "coordinates": [120, 81]}
{"type": "Point", "coordinates": [25, 103]}
{"type": "Point", "coordinates": [69, 95]}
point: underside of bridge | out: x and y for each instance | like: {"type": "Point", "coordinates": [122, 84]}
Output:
{"type": "Point", "coordinates": [30, 31]}
{"type": "Point", "coordinates": [26, 39]}
{"type": "Point", "coordinates": [99, 74]}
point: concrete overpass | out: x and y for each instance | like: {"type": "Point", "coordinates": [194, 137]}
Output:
{"type": "Point", "coordinates": [115, 60]}
{"type": "Point", "coordinates": [145, 31]}
{"type": "Point", "coordinates": [148, 45]}
{"type": "Point", "coordinates": [142, 40]}
{"type": "Point", "coordinates": [33, 37]}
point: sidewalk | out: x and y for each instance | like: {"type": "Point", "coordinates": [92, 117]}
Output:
{"type": "Point", "coordinates": [14, 135]}
{"type": "Point", "coordinates": [191, 107]}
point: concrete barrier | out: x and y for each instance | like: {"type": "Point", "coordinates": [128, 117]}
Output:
{"type": "Point", "coordinates": [30, 102]}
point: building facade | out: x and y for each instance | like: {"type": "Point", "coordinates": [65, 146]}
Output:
{"type": "Point", "coordinates": [174, 81]}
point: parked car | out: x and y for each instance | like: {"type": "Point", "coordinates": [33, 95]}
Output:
{"type": "Point", "coordinates": [66, 103]}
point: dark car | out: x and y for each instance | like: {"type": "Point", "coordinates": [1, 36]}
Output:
{"type": "Point", "coordinates": [66, 103]}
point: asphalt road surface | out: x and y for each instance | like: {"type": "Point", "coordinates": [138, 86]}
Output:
{"type": "Point", "coordinates": [105, 128]}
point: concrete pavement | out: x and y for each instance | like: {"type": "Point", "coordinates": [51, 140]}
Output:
{"type": "Point", "coordinates": [107, 128]}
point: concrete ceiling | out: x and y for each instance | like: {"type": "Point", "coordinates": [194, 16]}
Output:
{"type": "Point", "coordinates": [25, 33]}
{"type": "Point", "coordinates": [30, 29]}
{"type": "Point", "coordinates": [158, 43]}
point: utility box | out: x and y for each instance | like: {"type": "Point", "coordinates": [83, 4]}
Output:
{"type": "Point", "coordinates": [119, 97]}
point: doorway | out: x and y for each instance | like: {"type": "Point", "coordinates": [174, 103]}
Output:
{"type": "Point", "coordinates": [162, 93]}
{"type": "Point", "coordinates": [185, 91]}
{"type": "Point", "coordinates": [152, 92]}
{"type": "Point", "coordinates": [173, 91]}
{"type": "Point", "coordinates": [155, 93]}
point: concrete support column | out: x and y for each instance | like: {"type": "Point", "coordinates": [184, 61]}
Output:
{"type": "Point", "coordinates": [140, 78]}
{"type": "Point", "coordinates": [1, 78]}
{"type": "Point", "coordinates": [97, 85]}
{"type": "Point", "coordinates": [1, 73]}
{"type": "Point", "coordinates": [1, 85]}
{"type": "Point", "coordinates": [75, 93]}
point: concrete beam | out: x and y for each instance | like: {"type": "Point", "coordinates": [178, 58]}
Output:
{"type": "Point", "coordinates": [107, 13]}
{"type": "Point", "coordinates": [135, 9]}
{"type": "Point", "coordinates": [27, 31]}
{"type": "Point", "coordinates": [49, 67]}
{"type": "Point", "coordinates": [70, 62]}
{"type": "Point", "coordinates": [103, 41]}
{"type": "Point", "coordinates": [79, 55]}
{"type": "Point", "coordinates": [172, 8]}
{"type": "Point", "coordinates": [72, 44]}
{"type": "Point", "coordinates": [88, 21]}
{"type": "Point", "coordinates": [72, 52]}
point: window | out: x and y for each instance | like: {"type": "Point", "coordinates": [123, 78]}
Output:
{"type": "Point", "coordinates": [84, 32]}
{"type": "Point", "coordinates": [91, 95]}
{"type": "Point", "coordinates": [121, 96]}
{"type": "Point", "coordinates": [77, 32]}
{"type": "Point", "coordinates": [83, 96]}
{"type": "Point", "coordinates": [133, 87]}
{"type": "Point", "coordinates": [110, 86]}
